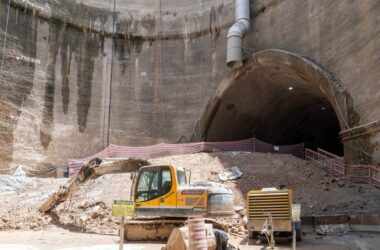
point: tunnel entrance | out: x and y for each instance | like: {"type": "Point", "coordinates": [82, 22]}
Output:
{"type": "Point", "coordinates": [280, 98]}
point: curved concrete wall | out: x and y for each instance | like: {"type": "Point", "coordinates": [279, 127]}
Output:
{"type": "Point", "coordinates": [342, 36]}
{"type": "Point", "coordinates": [68, 86]}
{"type": "Point", "coordinates": [257, 101]}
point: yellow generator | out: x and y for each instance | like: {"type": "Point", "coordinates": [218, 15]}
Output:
{"type": "Point", "coordinates": [271, 208]}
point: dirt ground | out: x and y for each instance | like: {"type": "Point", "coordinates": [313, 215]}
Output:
{"type": "Point", "coordinates": [59, 239]}
{"type": "Point", "coordinates": [89, 209]}
{"type": "Point", "coordinates": [318, 193]}
{"type": "Point", "coordinates": [54, 238]}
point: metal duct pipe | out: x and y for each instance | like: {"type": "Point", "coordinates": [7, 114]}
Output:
{"type": "Point", "coordinates": [236, 33]}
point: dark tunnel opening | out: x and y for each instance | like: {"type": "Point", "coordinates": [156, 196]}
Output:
{"type": "Point", "coordinates": [279, 104]}
{"type": "Point", "coordinates": [315, 125]}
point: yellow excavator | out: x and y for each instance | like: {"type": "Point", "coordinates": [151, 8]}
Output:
{"type": "Point", "coordinates": [163, 196]}
{"type": "Point", "coordinates": [166, 191]}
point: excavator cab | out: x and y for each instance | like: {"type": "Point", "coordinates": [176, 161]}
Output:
{"type": "Point", "coordinates": [153, 182]}
{"type": "Point", "coordinates": [166, 191]}
{"type": "Point", "coordinates": [157, 191]}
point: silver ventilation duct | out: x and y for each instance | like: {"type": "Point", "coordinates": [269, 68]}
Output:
{"type": "Point", "coordinates": [236, 33]}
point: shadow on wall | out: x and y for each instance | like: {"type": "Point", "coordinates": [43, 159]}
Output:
{"type": "Point", "coordinates": [18, 37]}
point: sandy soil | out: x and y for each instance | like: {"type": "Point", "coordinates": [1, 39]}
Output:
{"type": "Point", "coordinates": [54, 238]}
{"type": "Point", "coordinates": [59, 239]}
{"type": "Point", "coordinates": [89, 209]}
{"type": "Point", "coordinates": [313, 188]}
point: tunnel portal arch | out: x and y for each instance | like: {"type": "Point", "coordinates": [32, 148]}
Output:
{"type": "Point", "coordinates": [281, 98]}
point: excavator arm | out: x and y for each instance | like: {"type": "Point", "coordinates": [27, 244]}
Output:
{"type": "Point", "coordinates": [92, 169]}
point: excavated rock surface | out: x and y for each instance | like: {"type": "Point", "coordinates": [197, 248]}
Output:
{"type": "Point", "coordinates": [318, 192]}
{"type": "Point", "coordinates": [89, 209]}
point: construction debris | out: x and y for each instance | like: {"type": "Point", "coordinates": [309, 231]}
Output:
{"type": "Point", "coordinates": [338, 229]}
{"type": "Point", "coordinates": [281, 170]}
{"type": "Point", "coordinates": [89, 209]}
{"type": "Point", "coordinates": [230, 174]}
{"type": "Point", "coordinates": [25, 220]}
{"type": "Point", "coordinates": [13, 183]}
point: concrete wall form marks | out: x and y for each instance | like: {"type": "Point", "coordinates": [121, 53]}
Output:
{"type": "Point", "coordinates": [64, 67]}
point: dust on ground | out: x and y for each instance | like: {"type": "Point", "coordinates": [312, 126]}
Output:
{"type": "Point", "coordinates": [89, 209]}
{"type": "Point", "coordinates": [59, 239]}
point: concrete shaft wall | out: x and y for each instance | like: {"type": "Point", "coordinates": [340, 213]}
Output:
{"type": "Point", "coordinates": [75, 77]}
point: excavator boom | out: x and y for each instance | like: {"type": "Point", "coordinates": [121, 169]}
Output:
{"type": "Point", "coordinates": [92, 169]}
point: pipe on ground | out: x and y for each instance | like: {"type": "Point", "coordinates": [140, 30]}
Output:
{"type": "Point", "coordinates": [236, 33]}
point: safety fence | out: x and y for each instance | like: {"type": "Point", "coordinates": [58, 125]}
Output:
{"type": "Point", "coordinates": [164, 149]}
{"type": "Point", "coordinates": [336, 166]}
{"type": "Point", "coordinates": [333, 164]}
{"type": "Point", "coordinates": [364, 174]}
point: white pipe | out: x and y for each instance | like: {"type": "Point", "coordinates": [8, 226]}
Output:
{"type": "Point", "coordinates": [236, 33]}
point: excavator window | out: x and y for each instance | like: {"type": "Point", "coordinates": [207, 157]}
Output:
{"type": "Point", "coordinates": [153, 182]}
{"type": "Point", "coordinates": [181, 176]}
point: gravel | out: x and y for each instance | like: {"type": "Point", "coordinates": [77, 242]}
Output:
{"type": "Point", "coordinates": [89, 208]}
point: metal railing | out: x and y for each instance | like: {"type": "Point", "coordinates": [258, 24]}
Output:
{"type": "Point", "coordinates": [375, 176]}
{"type": "Point", "coordinates": [335, 165]}
{"type": "Point", "coordinates": [331, 163]}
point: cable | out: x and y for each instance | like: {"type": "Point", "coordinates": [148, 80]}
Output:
{"type": "Point", "coordinates": [5, 36]}
{"type": "Point", "coordinates": [111, 74]}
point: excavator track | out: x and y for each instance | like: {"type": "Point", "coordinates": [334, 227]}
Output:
{"type": "Point", "coordinates": [151, 229]}
{"type": "Point", "coordinates": [157, 229]}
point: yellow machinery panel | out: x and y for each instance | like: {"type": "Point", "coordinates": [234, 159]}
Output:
{"type": "Point", "coordinates": [192, 198]}
{"type": "Point", "coordinates": [270, 202]}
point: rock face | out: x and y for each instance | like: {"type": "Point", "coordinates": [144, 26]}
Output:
{"type": "Point", "coordinates": [75, 77]}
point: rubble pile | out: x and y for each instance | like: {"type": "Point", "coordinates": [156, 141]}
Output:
{"type": "Point", "coordinates": [25, 220]}
{"type": "Point", "coordinates": [318, 192]}
{"type": "Point", "coordinates": [89, 217]}
{"type": "Point", "coordinates": [89, 209]}
{"type": "Point", "coordinates": [234, 226]}
{"type": "Point", "coordinates": [20, 197]}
